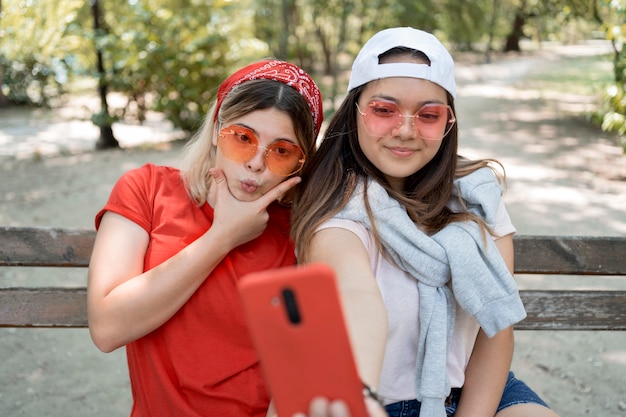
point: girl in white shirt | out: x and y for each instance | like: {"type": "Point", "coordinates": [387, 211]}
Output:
{"type": "Point", "coordinates": [385, 201]}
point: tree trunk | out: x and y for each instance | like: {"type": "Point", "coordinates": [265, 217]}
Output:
{"type": "Point", "coordinates": [106, 139]}
{"type": "Point", "coordinates": [492, 24]}
{"type": "Point", "coordinates": [4, 101]}
{"type": "Point", "coordinates": [283, 44]}
{"type": "Point", "coordinates": [513, 39]}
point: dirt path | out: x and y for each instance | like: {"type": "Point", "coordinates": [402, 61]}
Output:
{"type": "Point", "coordinates": [564, 178]}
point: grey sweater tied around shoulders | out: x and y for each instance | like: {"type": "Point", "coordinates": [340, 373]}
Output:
{"type": "Point", "coordinates": [455, 263]}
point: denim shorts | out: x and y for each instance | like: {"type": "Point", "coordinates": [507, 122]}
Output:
{"type": "Point", "coordinates": [515, 392]}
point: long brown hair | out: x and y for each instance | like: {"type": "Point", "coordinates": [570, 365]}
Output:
{"type": "Point", "coordinates": [331, 175]}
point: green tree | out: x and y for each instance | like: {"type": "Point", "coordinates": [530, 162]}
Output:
{"type": "Point", "coordinates": [540, 18]}
{"type": "Point", "coordinates": [612, 115]}
{"type": "Point", "coordinates": [164, 55]}
{"type": "Point", "coordinates": [170, 55]}
{"type": "Point", "coordinates": [102, 119]}
{"type": "Point", "coordinates": [4, 101]}
{"type": "Point", "coordinates": [465, 22]}
{"type": "Point", "coordinates": [37, 49]}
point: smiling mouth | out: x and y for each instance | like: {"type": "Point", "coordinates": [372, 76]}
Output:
{"type": "Point", "coordinates": [402, 152]}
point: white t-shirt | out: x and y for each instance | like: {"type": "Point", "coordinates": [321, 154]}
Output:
{"type": "Point", "coordinates": [400, 295]}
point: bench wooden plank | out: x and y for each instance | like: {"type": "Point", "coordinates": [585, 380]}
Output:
{"type": "Point", "coordinates": [31, 246]}
{"type": "Point", "coordinates": [43, 307]}
{"type": "Point", "coordinates": [570, 255]}
{"type": "Point", "coordinates": [564, 255]}
{"type": "Point", "coordinates": [547, 310]}
{"type": "Point", "coordinates": [573, 310]}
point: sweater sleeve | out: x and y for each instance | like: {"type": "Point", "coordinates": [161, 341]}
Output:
{"type": "Point", "coordinates": [481, 281]}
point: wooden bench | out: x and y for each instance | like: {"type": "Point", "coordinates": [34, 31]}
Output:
{"type": "Point", "coordinates": [546, 255]}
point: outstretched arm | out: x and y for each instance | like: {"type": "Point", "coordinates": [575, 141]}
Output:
{"type": "Point", "coordinates": [365, 311]}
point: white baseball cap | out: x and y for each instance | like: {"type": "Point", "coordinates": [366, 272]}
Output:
{"type": "Point", "coordinates": [366, 67]}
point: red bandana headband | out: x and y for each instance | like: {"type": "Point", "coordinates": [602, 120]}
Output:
{"type": "Point", "coordinates": [284, 72]}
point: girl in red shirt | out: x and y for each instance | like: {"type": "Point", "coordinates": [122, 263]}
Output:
{"type": "Point", "coordinates": [172, 244]}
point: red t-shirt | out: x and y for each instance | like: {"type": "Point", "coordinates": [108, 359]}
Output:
{"type": "Point", "coordinates": [201, 362]}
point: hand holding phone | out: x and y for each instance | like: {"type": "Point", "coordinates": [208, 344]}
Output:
{"type": "Point", "coordinates": [297, 325]}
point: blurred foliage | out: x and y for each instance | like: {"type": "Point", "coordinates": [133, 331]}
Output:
{"type": "Point", "coordinates": [165, 55]}
{"type": "Point", "coordinates": [170, 55]}
{"type": "Point", "coordinates": [612, 113]}
{"type": "Point", "coordinates": [30, 82]}
{"type": "Point", "coordinates": [37, 52]}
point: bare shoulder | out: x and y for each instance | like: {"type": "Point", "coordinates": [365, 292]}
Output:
{"type": "Point", "coordinates": [337, 242]}
{"type": "Point", "coordinates": [344, 251]}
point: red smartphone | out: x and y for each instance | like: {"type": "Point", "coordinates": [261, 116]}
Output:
{"type": "Point", "coordinates": [297, 325]}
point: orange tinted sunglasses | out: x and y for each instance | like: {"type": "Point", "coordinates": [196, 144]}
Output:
{"type": "Point", "coordinates": [240, 144]}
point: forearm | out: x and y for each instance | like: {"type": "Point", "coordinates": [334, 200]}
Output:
{"type": "Point", "coordinates": [367, 320]}
{"type": "Point", "coordinates": [364, 309]}
{"type": "Point", "coordinates": [486, 374]}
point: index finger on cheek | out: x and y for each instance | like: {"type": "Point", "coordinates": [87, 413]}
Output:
{"type": "Point", "coordinates": [277, 192]}
{"type": "Point", "coordinates": [285, 186]}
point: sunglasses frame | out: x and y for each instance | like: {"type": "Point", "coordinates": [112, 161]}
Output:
{"type": "Point", "coordinates": [401, 116]}
{"type": "Point", "coordinates": [236, 129]}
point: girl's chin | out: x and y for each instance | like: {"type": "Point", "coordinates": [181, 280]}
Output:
{"type": "Point", "coordinates": [247, 196]}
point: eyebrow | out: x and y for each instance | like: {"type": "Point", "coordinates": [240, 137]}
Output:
{"type": "Point", "coordinates": [256, 134]}
{"type": "Point", "coordinates": [396, 101]}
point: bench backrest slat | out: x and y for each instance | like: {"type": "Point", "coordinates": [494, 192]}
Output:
{"type": "Point", "coordinates": [43, 307]}
{"type": "Point", "coordinates": [574, 310]}
{"type": "Point", "coordinates": [570, 255]}
{"type": "Point", "coordinates": [547, 310]}
{"type": "Point", "coordinates": [567, 255]}
{"type": "Point", "coordinates": [30, 246]}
